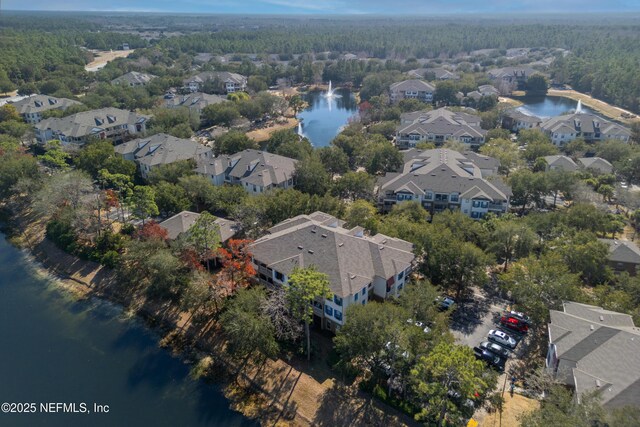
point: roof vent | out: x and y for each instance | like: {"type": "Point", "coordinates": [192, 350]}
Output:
{"type": "Point", "coordinates": [352, 276]}
{"type": "Point", "coordinates": [602, 318]}
{"type": "Point", "coordinates": [341, 244]}
{"type": "Point", "coordinates": [300, 247]}
{"type": "Point", "coordinates": [591, 327]}
{"type": "Point", "coordinates": [313, 230]}
{"type": "Point", "coordinates": [310, 251]}
{"type": "Point", "coordinates": [598, 384]}
{"type": "Point", "coordinates": [324, 235]}
{"type": "Point", "coordinates": [381, 247]}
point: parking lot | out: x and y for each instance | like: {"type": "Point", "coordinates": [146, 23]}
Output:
{"type": "Point", "coordinates": [472, 321]}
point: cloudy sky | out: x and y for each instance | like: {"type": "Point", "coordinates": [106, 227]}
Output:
{"type": "Point", "coordinates": [407, 7]}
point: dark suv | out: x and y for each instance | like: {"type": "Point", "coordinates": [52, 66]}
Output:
{"type": "Point", "coordinates": [489, 358]}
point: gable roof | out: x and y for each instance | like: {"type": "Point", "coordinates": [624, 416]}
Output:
{"type": "Point", "coordinates": [440, 73]}
{"type": "Point", "coordinates": [622, 251]}
{"type": "Point", "coordinates": [251, 166]}
{"type": "Point", "coordinates": [183, 221]}
{"type": "Point", "coordinates": [598, 351]}
{"type": "Point", "coordinates": [349, 259]}
{"type": "Point", "coordinates": [443, 171]}
{"type": "Point", "coordinates": [583, 123]}
{"type": "Point", "coordinates": [440, 122]}
{"type": "Point", "coordinates": [197, 100]}
{"type": "Point", "coordinates": [497, 73]}
{"type": "Point", "coordinates": [413, 85]}
{"type": "Point", "coordinates": [40, 103]}
{"type": "Point", "coordinates": [91, 122]}
{"type": "Point", "coordinates": [162, 149]}
{"type": "Point", "coordinates": [561, 162]}
{"type": "Point", "coordinates": [224, 76]}
{"type": "Point", "coordinates": [597, 163]}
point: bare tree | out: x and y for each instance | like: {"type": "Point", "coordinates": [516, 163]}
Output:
{"type": "Point", "coordinates": [276, 308]}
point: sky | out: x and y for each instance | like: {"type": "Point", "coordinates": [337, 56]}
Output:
{"type": "Point", "coordinates": [323, 7]}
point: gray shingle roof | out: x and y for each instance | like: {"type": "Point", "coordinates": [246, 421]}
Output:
{"type": "Point", "coordinates": [561, 162]}
{"type": "Point", "coordinates": [350, 261]}
{"type": "Point", "coordinates": [512, 71]}
{"type": "Point", "coordinates": [441, 122]}
{"type": "Point", "coordinates": [596, 163]}
{"type": "Point", "coordinates": [584, 123]}
{"type": "Point", "coordinates": [40, 103]}
{"type": "Point", "coordinates": [162, 149]}
{"type": "Point", "coordinates": [134, 77]}
{"type": "Point", "coordinates": [197, 100]}
{"type": "Point", "coordinates": [413, 85]}
{"type": "Point", "coordinates": [224, 76]}
{"type": "Point", "coordinates": [183, 221]}
{"type": "Point", "coordinates": [518, 115]}
{"type": "Point", "coordinates": [90, 122]}
{"type": "Point", "coordinates": [443, 171]}
{"type": "Point", "coordinates": [440, 73]}
{"type": "Point", "coordinates": [622, 251]}
{"type": "Point", "coordinates": [251, 166]}
{"type": "Point", "coordinates": [597, 350]}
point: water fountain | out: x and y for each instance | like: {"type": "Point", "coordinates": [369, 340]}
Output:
{"type": "Point", "coordinates": [579, 107]}
{"type": "Point", "coordinates": [300, 133]}
{"type": "Point", "coordinates": [330, 93]}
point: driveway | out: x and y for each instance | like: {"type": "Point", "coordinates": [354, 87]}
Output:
{"type": "Point", "coordinates": [473, 319]}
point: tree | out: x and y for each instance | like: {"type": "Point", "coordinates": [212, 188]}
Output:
{"type": "Point", "coordinates": [170, 198]}
{"type": "Point", "coordinates": [236, 262]}
{"type": "Point", "coordinates": [613, 150]}
{"type": "Point", "coordinates": [537, 149]}
{"type": "Point", "coordinates": [510, 239]}
{"type": "Point", "coordinates": [448, 369]}
{"type": "Point", "coordinates": [14, 167]}
{"type": "Point", "coordinates": [233, 142]}
{"type": "Point", "coordinates": [354, 186]}
{"type": "Point", "coordinates": [54, 155]}
{"type": "Point", "coordinates": [334, 160]}
{"type": "Point", "coordinates": [204, 237]}
{"type": "Point", "coordinates": [304, 286]}
{"type": "Point", "coordinates": [576, 147]}
{"type": "Point", "coordinates": [364, 214]}
{"type": "Point", "coordinates": [100, 154]}
{"type": "Point", "coordinates": [310, 176]}
{"type": "Point", "coordinates": [583, 254]}
{"type": "Point", "coordinates": [560, 408]}
{"type": "Point", "coordinates": [560, 181]}
{"type": "Point", "coordinates": [537, 85]}
{"type": "Point", "coordinates": [296, 103]}
{"type": "Point", "coordinates": [383, 157]}
{"type": "Point", "coordinates": [246, 327]}
{"type": "Point", "coordinates": [222, 114]}
{"type": "Point", "coordinates": [9, 113]}
{"type": "Point", "coordinates": [538, 285]}
{"type": "Point", "coordinates": [445, 93]}
{"type": "Point", "coordinates": [172, 172]}
{"type": "Point", "coordinates": [505, 151]}
{"type": "Point", "coordinates": [152, 230]}
{"type": "Point", "coordinates": [143, 204]}
{"type": "Point", "coordinates": [527, 187]}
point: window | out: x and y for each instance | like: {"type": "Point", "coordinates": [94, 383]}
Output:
{"type": "Point", "coordinates": [454, 197]}
{"type": "Point", "coordinates": [474, 215]}
{"type": "Point", "coordinates": [441, 197]}
{"type": "Point", "coordinates": [279, 276]}
{"type": "Point", "coordinates": [401, 275]}
{"type": "Point", "coordinates": [337, 300]}
{"type": "Point", "coordinates": [337, 314]}
{"type": "Point", "coordinates": [328, 310]}
{"type": "Point", "coordinates": [428, 195]}
{"type": "Point", "coordinates": [355, 297]}
{"type": "Point", "coordinates": [364, 291]}
{"type": "Point", "coordinates": [317, 304]}
{"type": "Point", "coordinates": [400, 286]}
{"type": "Point", "coordinates": [364, 301]}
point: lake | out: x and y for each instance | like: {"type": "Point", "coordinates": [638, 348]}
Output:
{"type": "Point", "coordinates": [549, 106]}
{"type": "Point", "coordinates": [54, 349]}
{"type": "Point", "coordinates": [324, 118]}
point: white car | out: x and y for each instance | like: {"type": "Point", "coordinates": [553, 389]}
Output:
{"type": "Point", "coordinates": [502, 338]}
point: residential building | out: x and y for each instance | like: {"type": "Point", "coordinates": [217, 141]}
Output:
{"type": "Point", "coordinates": [182, 222]}
{"type": "Point", "coordinates": [443, 179]}
{"type": "Point", "coordinates": [133, 79]}
{"type": "Point", "coordinates": [596, 164]}
{"type": "Point", "coordinates": [256, 171]}
{"type": "Point", "coordinates": [488, 90]}
{"type": "Point", "coordinates": [595, 350]}
{"type": "Point", "coordinates": [412, 89]}
{"type": "Point", "coordinates": [563, 163]}
{"type": "Point", "coordinates": [590, 127]}
{"type": "Point", "coordinates": [359, 267]}
{"type": "Point", "coordinates": [436, 73]}
{"type": "Point", "coordinates": [230, 82]}
{"type": "Point", "coordinates": [105, 123]}
{"type": "Point", "coordinates": [515, 120]}
{"type": "Point", "coordinates": [508, 79]}
{"type": "Point", "coordinates": [194, 101]}
{"type": "Point", "coordinates": [624, 256]}
{"type": "Point", "coordinates": [32, 107]}
{"type": "Point", "coordinates": [162, 149]}
{"type": "Point", "coordinates": [439, 126]}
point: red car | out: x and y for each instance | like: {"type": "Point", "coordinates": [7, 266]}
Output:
{"type": "Point", "coordinates": [514, 324]}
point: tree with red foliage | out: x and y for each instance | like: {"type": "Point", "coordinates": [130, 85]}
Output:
{"type": "Point", "coordinates": [111, 199]}
{"type": "Point", "coordinates": [236, 262]}
{"type": "Point", "coordinates": [152, 231]}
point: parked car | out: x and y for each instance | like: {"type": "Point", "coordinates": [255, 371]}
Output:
{"type": "Point", "coordinates": [426, 329]}
{"type": "Point", "coordinates": [445, 303]}
{"type": "Point", "coordinates": [514, 324]}
{"type": "Point", "coordinates": [495, 348]}
{"type": "Point", "coordinates": [489, 358]}
{"type": "Point", "coordinates": [502, 338]}
{"type": "Point", "coordinates": [519, 315]}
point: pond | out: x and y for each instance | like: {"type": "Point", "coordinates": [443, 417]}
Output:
{"type": "Point", "coordinates": [325, 116]}
{"type": "Point", "coordinates": [56, 350]}
{"type": "Point", "coordinates": [549, 106]}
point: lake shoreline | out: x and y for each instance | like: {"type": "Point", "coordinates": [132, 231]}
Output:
{"type": "Point", "coordinates": [84, 280]}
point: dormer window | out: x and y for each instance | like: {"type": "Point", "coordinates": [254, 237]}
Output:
{"type": "Point", "coordinates": [111, 118]}
{"type": "Point", "coordinates": [99, 121]}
